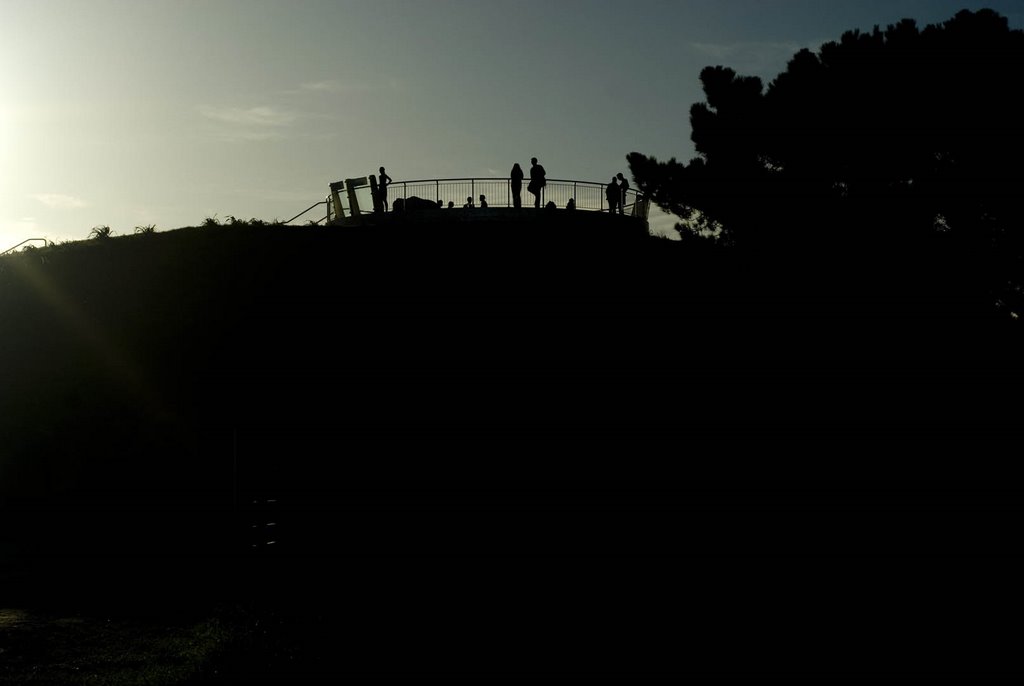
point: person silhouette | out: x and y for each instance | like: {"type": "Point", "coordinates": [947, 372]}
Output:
{"type": "Point", "coordinates": [483, 200]}
{"type": "Point", "coordinates": [571, 205]}
{"type": "Point", "coordinates": [611, 192]}
{"type": "Point", "coordinates": [383, 181]}
{"type": "Point", "coordinates": [623, 187]}
{"type": "Point", "coordinates": [516, 177]}
{"type": "Point", "coordinates": [469, 202]}
{"type": "Point", "coordinates": [451, 204]}
{"type": "Point", "coordinates": [537, 181]}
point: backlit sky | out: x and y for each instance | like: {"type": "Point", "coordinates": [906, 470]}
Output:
{"type": "Point", "coordinates": [165, 112]}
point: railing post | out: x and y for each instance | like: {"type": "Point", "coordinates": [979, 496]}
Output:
{"type": "Point", "coordinates": [437, 189]}
{"type": "Point", "coordinates": [378, 202]}
{"type": "Point", "coordinates": [353, 201]}
{"type": "Point", "coordinates": [339, 211]}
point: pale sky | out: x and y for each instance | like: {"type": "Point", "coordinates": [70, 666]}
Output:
{"type": "Point", "coordinates": [165, 112]}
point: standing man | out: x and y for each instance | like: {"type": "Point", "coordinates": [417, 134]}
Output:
{"type": "Point", "coordinates": [537, 181]}
{"type": "Point", "coordinates": [623, 187]}
{"type": "Point", "coordinates": [383, 181]}
{"type": "Point", "coordinates": [612, 194]}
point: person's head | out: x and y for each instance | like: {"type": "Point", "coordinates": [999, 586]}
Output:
{"type": "Point", "coordinates": [613, 179]}
{"type": "Point", "coordinates": [451, 204]}
{"type": "Point", "coordinates": [515, 166]}
{"type": "Point", "coordinates": [619, 176]}
{"type": "Point", "coordinates": [382, 170]}
{"type": "Point", "coordinates": [533, 160]}
{"type": "Point", "coordinates": [439, 203]}
{"type": "Point", "coordinates": [469, 198]}
{"type": "Point", "coordinates": [482, 197]}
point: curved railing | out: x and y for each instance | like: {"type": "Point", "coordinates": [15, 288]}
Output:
{"type": "Point", "coordinates": [588, 195]}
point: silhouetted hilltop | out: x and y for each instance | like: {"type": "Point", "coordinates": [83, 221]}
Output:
{"type": "Point", "coordinates": [166, 345]}
{"type": "Point", "coordinates": [545, 418]}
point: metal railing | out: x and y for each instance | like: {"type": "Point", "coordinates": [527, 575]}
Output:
{"type": "Point", "coordinates": [27, 240]}
{"type": "Point", "coordinates": [326, 217]}
{"type": "Point", "coordinates": [588, 195]}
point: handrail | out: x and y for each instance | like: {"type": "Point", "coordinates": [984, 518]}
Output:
{"type": "Point", "coordinates": [27, 240]}
{"type": "Point", "coordinates": [326, 201]}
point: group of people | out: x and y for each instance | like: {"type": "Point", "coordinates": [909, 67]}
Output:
{"type": "Point", "coordinates": [469, 201]}
{"type": "Point", "coordinates": [538, 179]}
{"type": "Point", "coordinates": [615, 192]}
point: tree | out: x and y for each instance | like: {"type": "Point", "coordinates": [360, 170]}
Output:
{"type": "Point", "coordinates": [882, 145]}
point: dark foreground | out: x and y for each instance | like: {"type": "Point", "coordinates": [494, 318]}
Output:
{"type": "Point", "coordinates": [734, 588]}
{"type": "Point", "coordinates": [523, 458]}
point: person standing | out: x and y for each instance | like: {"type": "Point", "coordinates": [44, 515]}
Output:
{"type": "Point", "coordinates": [611, 192]}
{"type": "Point", "coordinates": [383, 181]}
{"type": "Point", "coordinates": [516, 177]}
{"type": "Point", "coordinates": [537, 181]}
{"type": "Point", "coordinates": [623, 187]}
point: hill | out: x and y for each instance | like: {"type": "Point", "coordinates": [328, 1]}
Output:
{"type": "Point", "coordinates": [426, 402]}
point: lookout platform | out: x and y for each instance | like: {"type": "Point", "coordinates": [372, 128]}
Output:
{"type": "Point", "coordinates": [360, 202]}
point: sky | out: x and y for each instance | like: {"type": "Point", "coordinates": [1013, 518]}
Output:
{"type": "Point", "coordinates": [130, 113]}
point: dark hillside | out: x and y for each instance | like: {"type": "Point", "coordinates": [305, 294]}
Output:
{"type": "Point", "coordinates": [561, 411]}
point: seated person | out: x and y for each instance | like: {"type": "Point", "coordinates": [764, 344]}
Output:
{"type": "Point", "coordinates": [469, 202]}
{"type": "Point", "coordinates": [483, 200]}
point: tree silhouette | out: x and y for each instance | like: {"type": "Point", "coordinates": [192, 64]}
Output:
{"type": "Point", "coordinates": [900, 145]}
